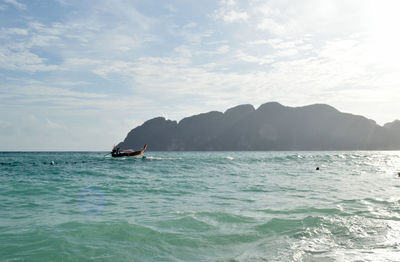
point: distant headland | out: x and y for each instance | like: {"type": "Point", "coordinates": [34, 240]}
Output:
{"type": "Point", "coordinates": [272, 126]}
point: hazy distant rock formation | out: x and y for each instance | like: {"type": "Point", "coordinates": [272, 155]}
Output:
{"type": "Point", "coordinates": [271, 127]}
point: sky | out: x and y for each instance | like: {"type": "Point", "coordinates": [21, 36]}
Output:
{"type": "Point", "coordinates": [79, 75]}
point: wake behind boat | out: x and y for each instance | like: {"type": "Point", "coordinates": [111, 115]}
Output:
{"type": "Point", "coordinates": [117, 152]}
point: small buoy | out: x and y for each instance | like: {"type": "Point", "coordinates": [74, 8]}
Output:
{"type": "Point", "coordinates": [52, 163]}
{"type": "Point", "coordinates": [317, 168]}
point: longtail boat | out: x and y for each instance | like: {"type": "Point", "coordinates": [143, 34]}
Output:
{"type": "Point", "coordinates": [117, 152]}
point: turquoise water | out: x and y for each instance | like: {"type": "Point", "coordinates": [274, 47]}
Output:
{"type": "Point", "coordinates": [200, 206]}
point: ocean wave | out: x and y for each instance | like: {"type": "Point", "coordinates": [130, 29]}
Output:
{"type": "Point", "coordinates": [189, 206]}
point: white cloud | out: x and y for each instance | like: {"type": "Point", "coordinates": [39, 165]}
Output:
{"type": "Point", "coordinates": [296, 18]}
{"type": "Point", "coordinates": [53, 125]}
{"type": "Point", "coordinates": [233, 16]}
{"type": "Point", "coordinates": [74, 62]}
{"type": "Point", "coordinates": [74, 42]}
{"type": "Point", "coordinates": [229, 13]}
{"type": "Point", "coordinates": [114, 67]}
{"type": "Point", "coordinates": [13, 31]}
{"type": "Point", "coordinates": [16, 52]}
{"type": "Point", "coordinates": [190, 25]}
{"type": "Point", "coordinates": [23, 60]}
{"type": "Point", "coordinates": [257, 42]}
{"type": "Point", "coordinates": [216, 42]}
{"type": "Point", "coordinates": [272, 26]}
{"type": "Point", "coordinates": [280, 44]}
{"type": "Point", "coordinates": [287, 52]}
{"type": "Point", "coordinates": [44, 91]}
{"type": "Point", "coordinates": [171, 8]}
{"type": "Point", "coordinates": [254, 59]}
{"type": "Point", "coordinates": [223, 49]}
{"type": "Point", "coordinates": [16, 4]}
{"type": "Point", "coordinates": [305, 47]}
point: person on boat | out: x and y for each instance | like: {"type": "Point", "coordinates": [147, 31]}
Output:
{"type": "Point", "coordinates": [115, 150]}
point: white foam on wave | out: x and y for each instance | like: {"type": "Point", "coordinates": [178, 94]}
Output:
{"type": "Point", "coordinates": [162, 158]}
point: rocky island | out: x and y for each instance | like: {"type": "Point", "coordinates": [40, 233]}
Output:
{"type": "Point", "coordinates": [271, 126]}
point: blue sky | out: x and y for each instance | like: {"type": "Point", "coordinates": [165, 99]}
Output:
{"type": "Point", "coordinates": [78, 75]}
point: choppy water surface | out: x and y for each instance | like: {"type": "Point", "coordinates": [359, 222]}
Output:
{"type": "Point", "coordinates": [224, 206]}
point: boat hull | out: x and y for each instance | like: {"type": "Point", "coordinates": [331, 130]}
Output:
{"type": "Point", "coordinates": [128, 154]}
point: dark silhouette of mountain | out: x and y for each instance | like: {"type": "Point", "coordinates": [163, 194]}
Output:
{"type": "Point", "coordinates": [271, 127]}
{"type": "Point", "coordinates": [393, 130]}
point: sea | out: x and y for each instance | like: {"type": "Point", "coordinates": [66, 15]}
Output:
{"type": "Point", "coordinates": [200, 206]}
